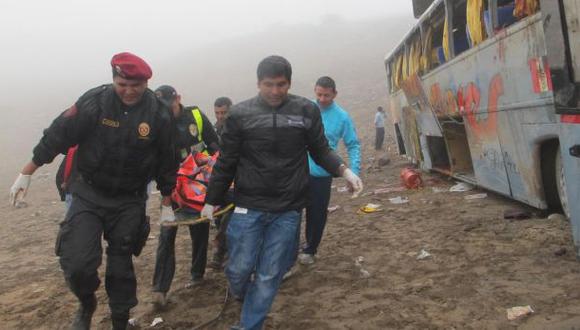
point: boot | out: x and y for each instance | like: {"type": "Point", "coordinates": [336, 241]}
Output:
{"type": "Point", "coordinates": [84, 314]}
{"type": "Point", "coordinates": [119, 322]}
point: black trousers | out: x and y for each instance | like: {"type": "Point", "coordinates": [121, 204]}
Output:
{"type": "Point", "coordinates": [379, 138]}
{"type": "Point", "coordinates": [165, 259]}
{"type": "Point", "coordinates": [316, 211]}
{"type": "Point", "coordinates": [119, 220]}
{"type": "Point", "coordinates": [220, 237]}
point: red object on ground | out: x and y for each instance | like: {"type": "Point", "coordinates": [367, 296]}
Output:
{"type": "Point", "coordinates": [411, 178]}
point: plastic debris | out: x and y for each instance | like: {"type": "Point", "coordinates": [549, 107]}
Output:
{"type": "Point", "coordinates": [461, 187]}
{"type": "Point", "coordinates": [423, 254]}
{"type": "Point", "coordinates": [516, 214]}
{"type": "Point", "coordinates": [399, 200]}
{"type": "Point", "coordinates": [515, 313]}
{"type": "Point", "coordinates": [342, 189]}
{"type": "Point", "coordinates": [370, 208]}
{"type": "Point", "coordinates": [133, 322]}
{"type": "Point", "coordinates": [156, 321]}
{"type": "Point", "coordinates": [388, 190]}
{"type": "Point", "coordinates": [411, 178]}
{"type": "Point", "coordinates": [439, 190]}
{"type": "Point", "coordinates": [331, 209]}
{"type": "Point", "coordinates": [358, 262]}
{"type": "Point", "coordinates": [475, 196]}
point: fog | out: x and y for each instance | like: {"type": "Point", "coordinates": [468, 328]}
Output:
{"type": "Point", "coordinates": [53, 51]}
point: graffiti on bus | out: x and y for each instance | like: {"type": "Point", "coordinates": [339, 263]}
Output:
{"type": "Point", "coordinates": [467, 102]}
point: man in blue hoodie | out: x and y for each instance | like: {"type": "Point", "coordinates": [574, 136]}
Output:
{"type": "Point", "coordinates": [337, 125]}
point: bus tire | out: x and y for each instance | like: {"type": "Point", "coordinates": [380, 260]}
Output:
{"type": "Point", "coordinates": [561, 183]}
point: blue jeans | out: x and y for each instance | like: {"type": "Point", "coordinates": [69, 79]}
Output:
{"type": "Point", "coordinates": [264, 243]}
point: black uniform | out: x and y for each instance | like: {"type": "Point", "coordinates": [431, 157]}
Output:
{"type": "Point", "coordinates": [121, 148]}
{"type": "Point", "coordinates": [186, 140]}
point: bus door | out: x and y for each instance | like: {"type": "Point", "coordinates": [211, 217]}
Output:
{"type": "Point", "coordinates": [489, 163]}
{"type": "Point", "coordinates": [428, 127]}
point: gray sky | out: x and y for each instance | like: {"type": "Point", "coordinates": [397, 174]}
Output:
{"type": "Point", "coordinates": [43, 38]}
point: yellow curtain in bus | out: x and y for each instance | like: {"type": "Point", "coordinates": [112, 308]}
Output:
{"type": "Point", "coordinates": [445, 42]}
{"type": "Point", "coordinates": [405, 65]}
{"type": "Point", "coordinates": [399, 71]}
{"type": "Point", "coordinates": [475, 21]}
{"type": "Point", "coordinates": [525, 8]}
{"type": "Point", "coordinates": [426, 55]}
{"type": "Point", "coordinates": [415, 57]}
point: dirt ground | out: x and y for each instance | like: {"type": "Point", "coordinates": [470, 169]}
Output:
{"type": "Point", "coordinates": [479, 266]}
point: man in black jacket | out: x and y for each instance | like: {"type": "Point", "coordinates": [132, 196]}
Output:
{"type": "Point", "coordinates": [264, 149]}
{"type": "Point", "coordinates": [193, 133]}
{"type": "Point", "coordinates": [124, 141]}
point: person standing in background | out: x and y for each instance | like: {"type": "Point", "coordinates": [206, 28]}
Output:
{"type": "Point", "coordinates": [380, 128]}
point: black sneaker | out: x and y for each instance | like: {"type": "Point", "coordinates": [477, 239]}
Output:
{"type": "Point", "coordinates": [120, 323]}
{"type": "Point", "coordinates": [84, 314]}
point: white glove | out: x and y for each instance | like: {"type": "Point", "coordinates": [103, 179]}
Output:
{"type": "Point", "coordinates": [167, 214]}
{"type": "Point", "coordinates": [207, 211]}
{"type": "Point", "coordinates": [20, 186]}
{"type": "Point", "coordinates": [354, 182]}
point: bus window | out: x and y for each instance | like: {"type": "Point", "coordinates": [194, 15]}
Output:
{"type": "Point", "coordinates": [415, 51]}
{"type": "Point", "coordinates": [476, 32]}
{"type": "Point", "coordinates": [432, 53]}
{"type": "Point", "coordinates": [459, 23]}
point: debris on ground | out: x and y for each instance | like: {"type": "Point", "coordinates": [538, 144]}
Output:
{"type": "Point", "coordinates": [439, 190]}
{"type": "Point", "coordinates": [331, 209]}
{"type": "Point", "coordinates": [342, 189]}
{"type": "Point", "coordinates": [399, 200]}
{"type": "Point", "coordinates": [423, 254]}
{"type": "Point", "coordinates": [388, 190]}
{"type": "Point", "coordinates": [369, 208]}
{"type": "Point", "coordinates": [384, 161]}
{"type": "Point", "coordinates": [517, 312]}
{"type": "Point", "coordinates": [475, 196]}
{"type": "Point", "coordinates": [556, 217]}
{"type": "Point", "coordinates": [560, 252]}
{"type": "Point", "coordinates": [411, 178]}
{"type": "Point", "coordinates": [133, 322]}
{"type": "Point", "coordinates": [358, 263]}
{"type": "Point", "coordinates": [461, 187]}
{"type": "Point", "coordinates": [156, 321]}
{"type": "Point", "coordinates": [516, 214]}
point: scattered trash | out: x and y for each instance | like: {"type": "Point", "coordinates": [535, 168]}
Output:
{"type": "Point", "coordinates": [411, 178]}
{"type": "Point", "coordinates": [156, 321]}
{"type": "Point", "coordinates": [384, 161]}
{"type": "Point", "coordinates": [439, 190]}
{"type": "Point", "coordinates": [133, 322]}
{"type": "Point", "coordinates": [556, 217]}
{"type": "Point", "coordinates": [560, 252]}
{"type": "Point", "coordinates": [388, 190]}
{"type": "Point", "coordinates": [516, 214]}
{"type": "Point", "coordinates": [399, 200]}
{"type": "Point", "coordinates": [331, 209]}
{"type": "Point", "coordinates": [369, 208]}
{"type": "Point", "coordinates": [461, 187]}
{"type": "Point", "coordinates": [342, 189]}
{"type": "Point", "coordinates": [475, 196]}
{"type": "Point", "coordinates": [358, 264]}
{"type": "Point", "coordinates": [423, 254]}
{"type": "Point", "coordinates": [515, 313]}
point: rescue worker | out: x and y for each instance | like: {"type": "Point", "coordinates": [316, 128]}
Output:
{"type": "Point", "coordinates": [193, 133]}
{"type": "Point", "coordinates": [221, 108]}
{"type": "Point", "coordinates": [265, 148]}
{"type": "Point", "coordinates": [124, 141]}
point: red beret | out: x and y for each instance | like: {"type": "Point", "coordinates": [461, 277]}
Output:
{"type": "Point", "coordinates": [130, 66]}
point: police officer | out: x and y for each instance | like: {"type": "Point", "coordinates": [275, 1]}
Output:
{"type": "Point", "coordinates": [193, 133]}
{"type": "Point", "coordinates": [124, 141]}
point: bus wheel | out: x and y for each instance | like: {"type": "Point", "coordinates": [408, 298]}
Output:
{"type": "Point", "coordinates": [561, 183]}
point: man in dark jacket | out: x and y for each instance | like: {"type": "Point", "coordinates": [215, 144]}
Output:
{"type": "Point", "coordinates": [264, 149]}
{"type": "Point", "coordinates": [124, 141]}
{"type": "Point", "coordinates": [193, 133]}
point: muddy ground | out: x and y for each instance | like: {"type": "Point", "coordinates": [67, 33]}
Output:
{"type": "Point", "coordinates": [479, 265]}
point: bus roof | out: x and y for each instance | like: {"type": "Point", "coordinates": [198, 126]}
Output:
{"type": "Point", "coordinates": [426, 15]}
